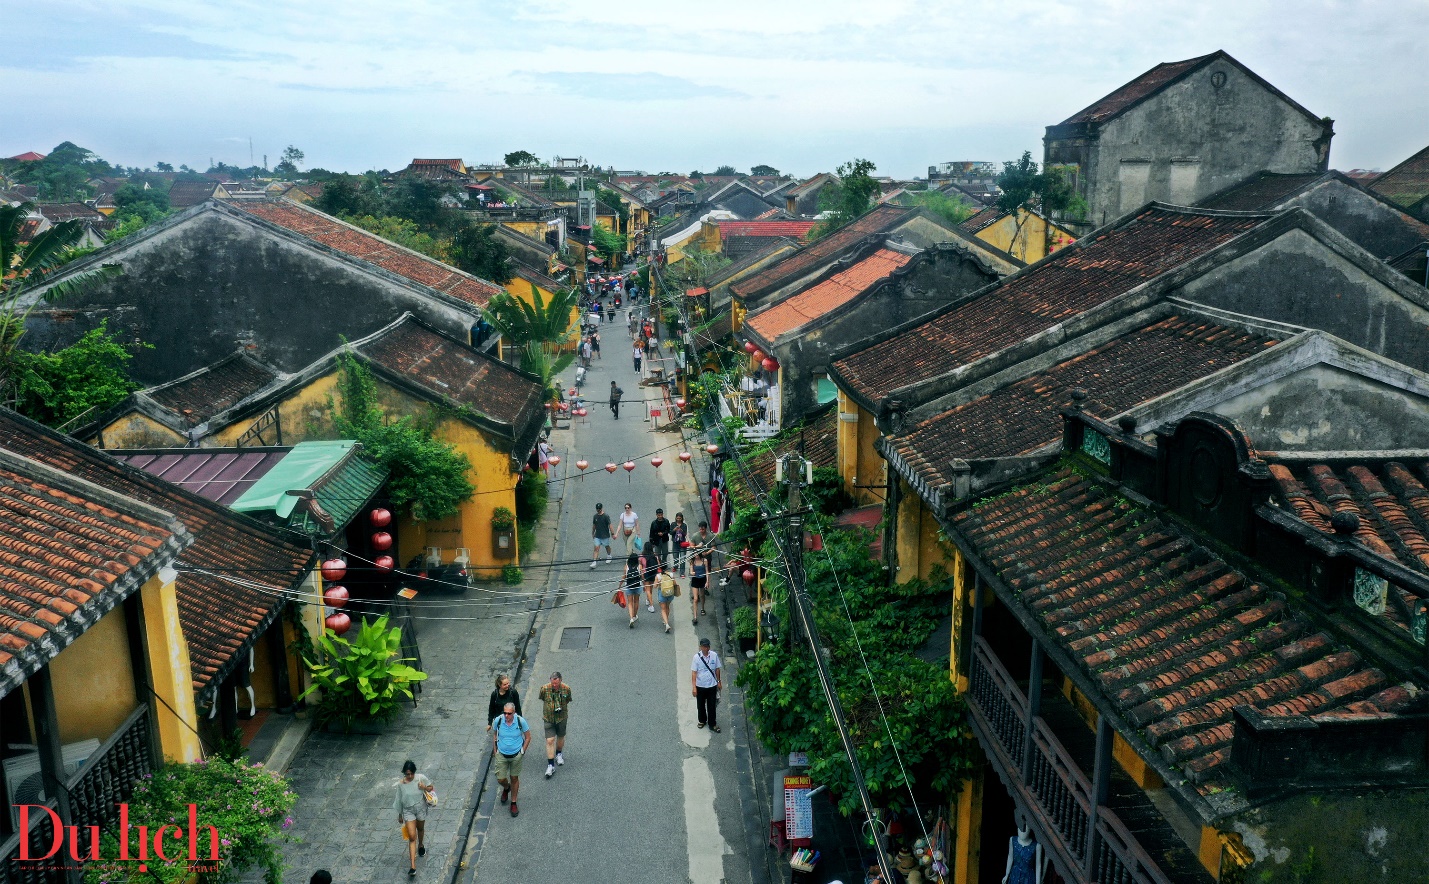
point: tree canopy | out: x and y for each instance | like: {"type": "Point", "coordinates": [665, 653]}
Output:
{"type": "Point", "coordinates": [724, 170]}
{"type": "Point", "coordinates": [538, 329]}
{"type": "Point", "coordinates": [518, 158]}
{"type": "Point", "coordinates": [476, 250]}
{"type": "Point", "coordinates": [847, 198]}
{"type": "Point", "coordinates": [763, 170]}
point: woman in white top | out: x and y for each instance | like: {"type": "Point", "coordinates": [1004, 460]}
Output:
{"type": "Point", "coordinates": [629, 528]}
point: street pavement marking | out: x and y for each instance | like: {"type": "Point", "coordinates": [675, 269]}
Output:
{"type": "Point", "coordinates": [686, 643]}
{"type": "Point", "coordinates": [705, 843]}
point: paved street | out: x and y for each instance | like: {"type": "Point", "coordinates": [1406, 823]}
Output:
{"type": "Point", "coordinates": [645, 796]}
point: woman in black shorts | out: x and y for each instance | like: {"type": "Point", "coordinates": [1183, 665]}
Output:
{"type": "Point", "coordinates": [630, 582]}
{"type": "Point", "coordinates": [699, 576]}
{"type": "Point", "coordinates": [651, 566]}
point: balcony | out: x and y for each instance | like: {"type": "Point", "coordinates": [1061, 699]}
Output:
{"type": "Point", "coordinates": [1091, 841]}
{"type": "Point", "coordinates": [105, 780]}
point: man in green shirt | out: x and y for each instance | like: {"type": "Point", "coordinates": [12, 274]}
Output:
{"type": "Point", "coordinates": [555, 709]}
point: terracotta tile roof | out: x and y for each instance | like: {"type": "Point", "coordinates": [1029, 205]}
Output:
{"type": "Point", "coordinates": [68, 555]}
{"type": "Point", "coordinates": [206, 392]}
{"type": "Point", "coordinates": [1173, 636]}
{"type": "Point", "coordinates": [792, 229]}
{"type": "Point", "coordinates": [788, 315]}
{"type": "Point", "coordinates": [358, 243]}
{"type": "Point", "coordinates": [28, 156]}
{"type": "Point", "coordinates": [58, 212]}
{"type": "Point", "coordinates": [1263, 191]}
{"type": "Point", "coordinates": [220, 618]}
{"type": "Point", "coordinates": [452, 371]}
{"type": "Point", "coordinates": [1407, 183]}
{"type": "Point", "coordinates": [454, 164]}
{"type": "Point", "coordinates": [821, 445]}
{"type": "Point", "coordinates": [808, 259]}
{"type": "Point", "coordinates": [1142, 87]}
{"type": "Point", "coordinates": [189, 193]}
{"type": "Point", "coordinates": [1120, 374]}
{"type": "Point", "coordinates": [1069, 282]}
{"type": "Point", "coordinates": [983, 219]}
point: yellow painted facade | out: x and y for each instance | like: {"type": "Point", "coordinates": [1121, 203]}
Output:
{"type": "Point", "coordinates": [136, 430]}
{"type": "Point", "coordinates": [1037, 238]}
{"type": "Point", "coordinates": [860, 464]}
{"type": "Point", "coordinates": [920, 549]}
{"type": "Point", "coordinates": [94, 681]}
{"type": "Point", "coordinates": [534, 229]}
{"type": "Point", "coordinates": [170, 672]}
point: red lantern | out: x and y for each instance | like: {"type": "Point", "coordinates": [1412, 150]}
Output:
{"type": "Point", "coordinates": [680, 404]}
{"type": "Point", "coordinates": [758, 355]}
{"type": "Point", "coordinates": [747, 575]}
{"type": "Point", "coordinates": [769, 363]}
{"type": "Point", "coordinates": [380, 518]}
{"type": "Point", "coordinates": [629, 465]}
{"type": "Point", "coordinates": [555, 460]}
{"type": "Point", "coordinates": [582, 412]}
{"type": "Point", "coordinates": [382, 541]}
{"type": "Point", "coordinates": [338, 622]}
{"type": "Point", "coordinates": [712, 449]}
{"type": "Point", "coordinates": [334, 570]}
{"type": "Point", "coordinates": [685, 456]}
{"type": "Point", "coordinates": [610, 468]}
{"type": "Point", "coordinates": [749, 347]}
{"type": "Point", "coordinates": [656, 461]}
{"type": "Point", "coordinates": [582, 464]}
{"type": "Point", "coordinates": [572, 393]}
{"type": "Point", "coordinates": [385, 563]}
{"type": "Point", "coordinates": [335, 596]}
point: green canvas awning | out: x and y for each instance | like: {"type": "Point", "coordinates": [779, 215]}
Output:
{"type": "Point", "coordinates": [341, 479]}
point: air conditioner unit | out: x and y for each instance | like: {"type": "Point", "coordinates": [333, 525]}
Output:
{"type": "Point", "coordinates": [25, 785]}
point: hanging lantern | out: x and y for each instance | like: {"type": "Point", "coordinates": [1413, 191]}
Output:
{"type": "Point", "coordinates": [384, 563]}
{"type": "Point", "coordinates": [758, 355]}
{"type": "Point", "coordinates": [656, 461]}
{"type": "Point", "coordinates": [334, 570]}
{"type": "Point", "coordinates": [685, 457]}
{"type": "Point", "coordinates": [555, 460]}
{"type": "Point", "coordinates": [747, 575]}
{"type": "Point", "coordinates": [564, 407]}
{"type": "Point", "coordinates": [338, 622]}
{"type": "Point", "coordinates": [380, 518]}
{"type": "Point", "coordinates": [712, 449]}
{"type": "Point", "coordinates": [572, 392]}
{"type": "Point", "coordinates": [335, 596]}
{"type": "Point", "coordinates": [680, 404]}
{"type": "Point", "coordinates": [582, 412]}
{"type": "Point", "coordinates": [610, 468]}
{"type": "Point", "coordinates": [629, 465]}
{"type": "Point", "coordinates": [582, 465]}
{"type": "Point", "coordinates": [769, 363]}
{"type": "Point", "coordinates": [382, 541]}
{"type": "Point", "coordinates": [749, 347]}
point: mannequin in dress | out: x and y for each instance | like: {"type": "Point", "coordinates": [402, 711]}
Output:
{"type": "Point", "coordinates": [1024, 857]}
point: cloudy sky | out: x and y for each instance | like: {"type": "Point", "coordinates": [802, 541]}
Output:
{"type": "Point", "coordinates": [667, 85]}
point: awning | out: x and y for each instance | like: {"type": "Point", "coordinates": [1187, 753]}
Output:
{"type": "Point", "coordinates": [595, 260]}
{"type": "Point", "coordinates": [340, 478]}
{"type": "Point", "coordinates": [695, 293]}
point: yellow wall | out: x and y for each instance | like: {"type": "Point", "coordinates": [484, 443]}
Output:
{"type": "Point", "coordinates": [534, 229]}
{"type": "Point", "coordinates": [94, 681]}
{"type": "Point", "coordinates": [859, 463]}
{"type": "Point", "coordinates": [967, 832]}
{"type": "Point", "coordinates": [920, 550]}
{"type": "Point", "coordinates": [170, 670]}
{"type": "Point", "coordinates": [1030, 243]}
{"type": "Point", "coordinates": [135, 430]}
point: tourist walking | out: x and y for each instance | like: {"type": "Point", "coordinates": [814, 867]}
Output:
{"type": "Point", "coordinates": [600, 535]}
{"type": "Point", "coordinates": [555, 709]}
{"type": "Point", "coordinates": [637, 353]}
{"type": "Point", "coordinates": [680, 542]}
{"type": "Point", "coordinates": [615, 394]}
{"type": "Point", "coordinates": [630, 529]}
{"type": "Point", "coordinates": [649, 571]}
{"type": "Point", "coordinates": [659, 538]}
{"type": "Point", "coordinates": [595, 344]}
{"type": "Point", "coordinates": [630, 583]}
{"type": "Point", "coordinates": [503, 694]}
{"type": "Point", "coordinates": [510, 737]}
{"type": "Point", "coordinates": [699, 577]}
{"type": "Point", "coordinates": [411, 802]}
{"type": "Point", "coordinates": [705, 684]}
{"type": "Point", "coordinates": [668, 590]}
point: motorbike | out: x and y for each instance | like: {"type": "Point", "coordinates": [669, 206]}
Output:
{"type": "Point", "coordinates": [425, 574]}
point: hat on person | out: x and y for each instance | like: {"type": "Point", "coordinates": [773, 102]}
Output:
{"type": "Point", "coordinates": [704, 643]}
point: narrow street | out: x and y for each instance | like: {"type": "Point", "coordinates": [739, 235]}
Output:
{"type": "Point", "coordinates": [645, 795]}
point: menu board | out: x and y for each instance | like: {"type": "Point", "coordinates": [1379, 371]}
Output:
{"type": "Point", "coordinates": [798, 807]}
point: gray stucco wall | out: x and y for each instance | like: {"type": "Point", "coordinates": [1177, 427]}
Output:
{"type": "Point", "coordinates": [1382, 230]}
{"type": "Point", "coordinates": [1323, 408]}
{"type": "Point", "coordinates": [1295, 279]}
{"type": "Point", "coordinates": [1194, 139]}
{"type": "Point", "coordinates": [197, 289]}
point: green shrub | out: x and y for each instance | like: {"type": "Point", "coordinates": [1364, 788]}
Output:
{"type": "Point", "coordinates": [526, 542]}
{"type": "Point", "coordinates": [532, 496]}
{"type": "Point", "coordinates": [511, 575]}
{"type": "Point", "coordinates": [502, 519]}
{"type": "Point", "coordinates": [245, 803]}
{"type": "Point", "coordinates": [363, 678]}
{"type": "Point", "coordinates": [745, 622]}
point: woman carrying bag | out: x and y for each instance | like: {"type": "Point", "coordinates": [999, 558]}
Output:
{"type": "Point", "coordinates": [415, 793]}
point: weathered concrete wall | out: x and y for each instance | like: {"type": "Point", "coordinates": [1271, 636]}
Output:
{"type": "Point", "coordinates": [1191, 140]}
{"type": "Point", "coordinates": [198, 288]}
{"type": "Point", "coordinates": [1338, 837]}
{"type": "Point", "coordinates": [1379, 228]}
{"type": "Point", "coordinates": [1297, 280]}
{"type": "Point", "coordinates": [1323, 408]}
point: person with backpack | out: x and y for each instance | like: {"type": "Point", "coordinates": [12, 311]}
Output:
{"type": "Point", "coordinates": [511, 735]}
{"type": "Point", "coordinates": [615, 394]}
{"type": "Point", "coordinates": [638, 353]}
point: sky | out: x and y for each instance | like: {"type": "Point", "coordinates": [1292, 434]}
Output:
{"type": "Point", "coordinates": [667, 85]}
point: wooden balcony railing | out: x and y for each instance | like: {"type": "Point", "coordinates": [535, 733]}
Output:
{"type": "Point", "coordinates": [106, 780]}
{"type": "Point", "coordinates": [1056, 789]}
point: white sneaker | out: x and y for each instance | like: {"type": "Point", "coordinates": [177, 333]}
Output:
{"type": "Point", "coordinates": [592, 564]}
{"type": "Point", "coordinates": [607, 560]}
{"type": "Point", "coordinates": [560, 758]}
{"type": "Point", "coordinates": [651, 608]}
{"type": "Point", "coordinates": [550, 769]}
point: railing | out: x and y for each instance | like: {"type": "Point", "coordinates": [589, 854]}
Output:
{"type": "Point", "coordinates": [1061, 788]}
{"type": "Point", "coordinates": [1120, 859]}
{"type": "Point", "coordinates": [105, 780]}
{"type": "Point", "coordinates": [999, 700]}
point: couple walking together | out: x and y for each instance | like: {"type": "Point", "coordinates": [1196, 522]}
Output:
{"type": "Point", "coordinates": [511, 734]}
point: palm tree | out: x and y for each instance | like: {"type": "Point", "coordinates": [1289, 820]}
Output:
{"type": "Point", "coordinates": [25, 265]}
{"type": "Point", "coordinates": [538, 330]}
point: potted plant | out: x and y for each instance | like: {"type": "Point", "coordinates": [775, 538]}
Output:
{"type": "Point", "coordinates": [745, 628]}
{"type": "Point", "coordinates": [361, 682]}
{"type": "Point", "coordinates": [503, 533]}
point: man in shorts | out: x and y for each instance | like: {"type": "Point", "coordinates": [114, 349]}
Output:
{"type": "Point", "coordinates": [555, 710]}
{"type": "Point", "coordinates": [510, 735]}
{"type": "Point", "coordinates": [600, 535]}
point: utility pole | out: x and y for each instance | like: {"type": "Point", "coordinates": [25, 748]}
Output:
{"type": "Point", "coordinates": [796, 472]}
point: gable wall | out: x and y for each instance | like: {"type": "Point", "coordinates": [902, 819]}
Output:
{"type": "Point", "coordinates": [1382, 230]}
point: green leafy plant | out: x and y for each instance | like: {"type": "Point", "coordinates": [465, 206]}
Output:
{"type": "Point", "coordinates": [511, 575]}
{"type": "Point", "coordinates": [502, 519]}
{"type": "Point", "coordinates": [745, 622]}
{"type": "Point", "coordinates": [362, 679]}
{"type": "Point", "coordinates": [526, 542]}
{"type": "Point", "coordinates": [247, 804]}
{"type": "Point", "coordinates": [539, 329]}
{"type": "Point", "coordinates": [847, 198]}
{"type": "Point", "coordinates": [532, 498]}
{"type": "Point", "coordinates": [58, 386]}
